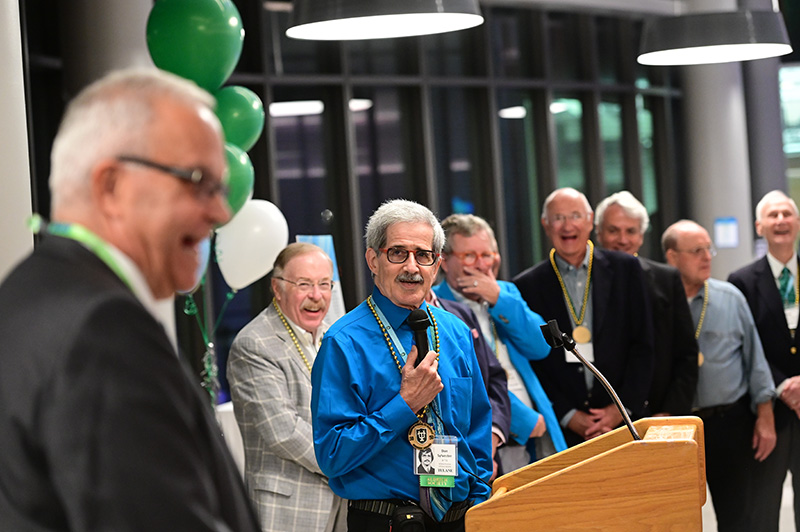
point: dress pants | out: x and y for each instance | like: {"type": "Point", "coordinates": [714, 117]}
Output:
{"type": "Point", "coordinates": [770, 474]}
{"type": "Point", "coordinates": [363, 521]}
{"type": "Point", "coordinates": [729, 462]}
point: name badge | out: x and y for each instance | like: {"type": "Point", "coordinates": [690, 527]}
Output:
{"type": "Point", "coordinates": [587, 350]}
{"type": "Point", "coordinates": [437, 465]}
{"type": "Point", "coordinates": [792, 314]}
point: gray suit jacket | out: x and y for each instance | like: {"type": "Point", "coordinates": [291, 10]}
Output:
{"type": "Point", "coordinates": [271, 393]}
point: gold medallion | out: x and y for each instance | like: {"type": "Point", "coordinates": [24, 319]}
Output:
{"type": "Point", "coordinates": [581, 335]}
{"type": "Point", "coordinates": [421, 435]}
{"type": "Point", "coordinates": [793, 350]}
{"type": "Point", "coordinates": [700, 359]}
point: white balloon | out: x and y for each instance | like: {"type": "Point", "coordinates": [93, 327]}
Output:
{"type": "Point", "coordinates": [246, 247]}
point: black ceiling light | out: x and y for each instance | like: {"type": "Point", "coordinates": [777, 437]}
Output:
{"type": "Point", "coordinates": [333, 20]}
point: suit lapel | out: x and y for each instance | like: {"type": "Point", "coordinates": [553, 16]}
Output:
{"type": "Point", "coordinates": [768, 291]}
{"type": "Point", "coordinates": [274, 324]}
{"type": "Point", "coordinates": [601, 290]}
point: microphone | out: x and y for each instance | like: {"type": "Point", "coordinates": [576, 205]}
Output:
{"type": "Point", "coordinates": [419, 323]}
{"type": "Point", "coordinates": [555, 338]}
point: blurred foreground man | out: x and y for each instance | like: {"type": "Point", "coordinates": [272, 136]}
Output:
{"type": "Point", "coordinates": [101, 425]}
{"type": "Point", "coordinates": [771, 286]}
{"type": "Point", "coordinates": [733, 380]}
{"type": "Point", "coordinates": [621, 222]}
{"type": "Point", "coordinates": [269, 370]}
{"type": "Point", "coordinates": [599, 297]}
{"type": "Point", "coordinates": [470, 260]}
{"type": "Point", "coordinates": [373, 407]}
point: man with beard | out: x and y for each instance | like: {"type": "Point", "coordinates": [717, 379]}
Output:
{"type": "Point", "coordinates": [376, 400]}
{"type": "Point", "coordinates": [269, 370]}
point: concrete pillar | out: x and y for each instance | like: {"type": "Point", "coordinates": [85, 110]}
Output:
{"type": "Point", "coordinates": [15, 199]}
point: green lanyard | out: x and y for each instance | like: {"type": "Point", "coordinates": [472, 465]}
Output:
{"type": "Point", "coordinates": [95, 244]}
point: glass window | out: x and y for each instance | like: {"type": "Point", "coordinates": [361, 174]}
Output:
{"type": "Point", "coordinates": [459, 143]}
{"type": "Point", "coordinates": [458, 53]}
{"type": "Point", "coordinates": [790, 109]}
{"type": "Point", "coordinates": [516, 47]}
{"type": "Point", "coordinates": [297, 56]}
{"type": "Point", "coordinates": [568, 119]}
{"type": "Point", "coordinates": [383, 56]}
{"type": "Point", "coordinates": [520, 191]}
{"type": "Point", "coordinates": [644, 117]}
{"type": "Point", "coordinates": [565, 58]}
{"type": "Point", "coordinates": [608, 49]}
{"type": "Point", "coordinates": [610, 116]}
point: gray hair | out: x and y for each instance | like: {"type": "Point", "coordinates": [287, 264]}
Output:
{"type": "Point", "coordinates": [631, 206]}
{"type": "Point", "coordinates": [550, 197]}
{"type": "Point", "coordinates": [465, 225]}
{"type": "Point", "coordinates": [769, 197]}
{"type": "Point", "coordinates": [293, 250]}
{"type": "Point", "coordinates": [400, 211]}
{"type": "Point", "coordinates": [110, 117]}
{"type": "Point", "coordinates": [669, 239]}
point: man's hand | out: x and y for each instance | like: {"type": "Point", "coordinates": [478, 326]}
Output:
{"type": "Point", "coordinates": [419, 386]}
{"type": "Point", "coordinates": [539, 429]}
{"type": "Point", "coordinates": [602, 420]}
{"type": "Point", "coordinates": [791, 394]}
{"type": "Point", "coordinates": [580, 423]}
{"type": "Point", "coordinates": [495, 444]}
{"type": "Point", "coordinates": [479, 286]}
{"type": "Point", "coordinates": [764, 437]}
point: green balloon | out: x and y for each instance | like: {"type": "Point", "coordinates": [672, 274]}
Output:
{"type": "Point", "coordinates": [200, 40]}
{"type": "Point", "coordinates": [242, 115]}
{"type": "Point", "coordinates": [240, 178]}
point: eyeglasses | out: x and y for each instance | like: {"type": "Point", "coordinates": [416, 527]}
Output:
{"type": "Point", "coordinates": [574, 217]}
{"type": "Point", "coordinates": [304, 285]}
{"type": "Point", "coordinates": [205, 187]}
{"type": "Point", "coordinates": [470, 257]}
{"type": "Point", "coordinates": [699, 251]}
{"type": "Point", "coordinates": [397, 255]}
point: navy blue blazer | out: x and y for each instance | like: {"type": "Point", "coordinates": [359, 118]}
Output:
{"type": "Point", "coordinates": [622, 335]}
{"type": "Point", "coordinates": [758, 286]}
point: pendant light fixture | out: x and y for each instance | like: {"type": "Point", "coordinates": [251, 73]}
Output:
{"type": "Point", "coordinates": [714, 37]}
{"type": "Point", "coordinates": [334, 20]}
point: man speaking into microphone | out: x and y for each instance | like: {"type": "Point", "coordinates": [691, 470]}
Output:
{"type": "Point", "coordinates": [373, 408]}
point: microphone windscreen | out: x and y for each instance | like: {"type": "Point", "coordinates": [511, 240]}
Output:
{"type": "Point", "coordinates": [418, 320]}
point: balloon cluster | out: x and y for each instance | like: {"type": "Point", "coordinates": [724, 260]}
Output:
{"type": "Point", "coordinates": [201, 40]}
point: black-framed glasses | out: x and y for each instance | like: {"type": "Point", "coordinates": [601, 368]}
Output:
{"type": "Point", "coordinates": [205, 186]}
{"type": "Point", "coordinates": [304, 285]}
{"type": "Point", "coordinates": [398, 255]}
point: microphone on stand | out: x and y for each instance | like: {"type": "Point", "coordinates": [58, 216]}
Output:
{"type": "Point", "coordinates": [555, 338]}
{"type": "Point", "coordinates": [419, 323]}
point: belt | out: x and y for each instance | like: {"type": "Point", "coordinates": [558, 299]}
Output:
{"type": "Point", "coordinates": [710, 411]}
{"type": "Point", "coordinates": [387, 507]}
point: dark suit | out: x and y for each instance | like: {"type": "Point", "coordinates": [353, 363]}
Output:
{"type": "Point", "coordinates": [758, 286]}
{"type": "Point", "coordinates": [675, 374]}
{"type": "Point", "coordinates": [494, 376]}
{"type": "Point", "coordinates": [621, 335]}
{"type": "Point", "coordinates": [101, 426]}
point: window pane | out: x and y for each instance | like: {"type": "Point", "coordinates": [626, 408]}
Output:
{"type": "Point", "coordinates": [457, 53]}
{"type": "Point", "coordinates": [790, 109]}
{"type": "Point", "coordinates": [383, 56]}
{"type": "Point", "coordinates": [516, 48]}
{"type": "Point", "coordinates": [610, 113]}
{"type": "Point", "coordinates": [649, 197]}
{"type": "Point", "coordinates": [565, 61]}
{"type": "Point", "coordinates": [567, 116]}
{"type": "Point", "coordinates": [458, 145]}
{"type": "Point", "coordinates": [520, 192]}
{"type": "Point", "coordinates": [296, 56]}
{"type": "Point", "coordinates": [608, 49]}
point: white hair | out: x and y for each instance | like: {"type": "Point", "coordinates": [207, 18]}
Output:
{"type": "Point", "coordinates": [110, 117]}
{"type": "Point", "coordinates": [631, 206]}
{"type": "Point", "coordinates": [772, 196]}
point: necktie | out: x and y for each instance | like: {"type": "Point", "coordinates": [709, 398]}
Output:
{"type": "Point", "coordinates": [786, 288]}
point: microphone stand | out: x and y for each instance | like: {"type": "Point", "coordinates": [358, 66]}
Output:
{"type": "Point", "coordinates": [555, 338]}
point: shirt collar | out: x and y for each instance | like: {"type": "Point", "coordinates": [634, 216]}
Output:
{"type": "Point", "coordinates": [395, 315]}
{"type": "Point", "coordinates": [777, 266]}
{"type": "Point", "coordinates": [305, 337]}
{"type": "Point", "coordinates": [564, 265]}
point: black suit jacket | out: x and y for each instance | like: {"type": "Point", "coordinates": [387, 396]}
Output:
{"type": "Point", "coordinates": [675, 374]}
{"type": "Point", "coordinates": [494, 376]}
{"type": "Point", "coordinates": [758, 286]}
{"type": "Point", "coordinates": [101, 426]}
{"type": "Point", "coordinates": [621, 335]}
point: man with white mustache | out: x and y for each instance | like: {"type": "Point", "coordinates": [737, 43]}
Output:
{"type": "Point", "coordinates": [269, 371]}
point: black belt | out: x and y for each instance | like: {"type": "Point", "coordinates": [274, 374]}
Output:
{"type": "Point", "coordinates": [388, 506]}
{"type": "Point", "coordinates": [710, 411]}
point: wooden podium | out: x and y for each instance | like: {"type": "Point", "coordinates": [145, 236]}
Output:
{"type": "Point", "coordinates": [610, 483]}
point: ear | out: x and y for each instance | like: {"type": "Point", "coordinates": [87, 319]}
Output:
{"type": "Point", "coordinates": [670, 256]}
{"type": "Point", "coordinates": [443, 261]}
{"type": "Point", "coordinates": [759, 228]}
{"type": "Point", "coordinates": [372, 260]}
{"type": "Point", "coordinates": [104, 179]}
{"type": "Point", "coordinates": [274, 285]}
